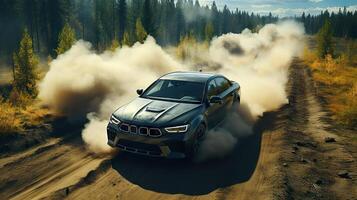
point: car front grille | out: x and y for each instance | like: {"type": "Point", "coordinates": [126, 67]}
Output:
{"type": "Point", "coordinates": [139, 148]}
{"type": "Point", "coordinates": [145, 131]}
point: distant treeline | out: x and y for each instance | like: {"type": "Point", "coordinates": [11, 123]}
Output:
{"type": "Point", "coordinates": [103, 21]}
{"type": "Point", "coordinates": [343, 23]}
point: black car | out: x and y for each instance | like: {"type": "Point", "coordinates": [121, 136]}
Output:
{"type": "Point", "coordinates": [172, 116]}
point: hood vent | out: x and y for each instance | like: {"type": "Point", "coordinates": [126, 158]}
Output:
{"type": "Point", "coordinates": [156, 110]}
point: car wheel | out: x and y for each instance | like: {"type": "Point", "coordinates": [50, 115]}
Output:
{"type": "Point", "coordinates": [199, 136]}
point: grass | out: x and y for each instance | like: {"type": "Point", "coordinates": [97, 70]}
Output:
{"type": "Point", "coordinates": [9, 122]}
{"type": "Point", "coordinates": [15, 118]}
{"type": "Point", "coordinates": [336, 81]}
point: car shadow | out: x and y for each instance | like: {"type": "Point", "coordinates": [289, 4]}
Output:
{"type": "Point", "coordinates": [184, 177]}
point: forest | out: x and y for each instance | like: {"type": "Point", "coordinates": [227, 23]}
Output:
{"type": "Point", "coordinates": [123, 22]}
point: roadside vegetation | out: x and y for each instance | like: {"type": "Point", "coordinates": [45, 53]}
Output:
{"type": "Point", "coordinates": [16, 119]}
{"type": "Point", "coordinates": [333, 63]}
{"type": "Point", "coordinates": [18, 105]}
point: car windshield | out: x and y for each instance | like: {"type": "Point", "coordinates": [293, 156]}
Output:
{"type": "Point", "coordinates": [176, 90]}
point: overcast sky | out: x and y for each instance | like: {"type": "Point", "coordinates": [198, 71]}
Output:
{"type": "Point", "coordinates": [285, 7]}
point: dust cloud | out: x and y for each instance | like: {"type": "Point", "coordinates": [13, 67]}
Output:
{"type": "Point", "coordinates": [260, 63]}
{"type": "Point", "coordinates": [82, 83]}
{"type": "Point", "coordinates": [91, 134]}
{"type": "Point", "coordinates": [220, 141]}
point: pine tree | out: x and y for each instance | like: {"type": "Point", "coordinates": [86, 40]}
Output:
{"type": "Point", "coordinates": [122, 15]}
{"type": "Point", "coordinates": [98, 27]}
{"type": "Point", "coordinates": [180, 20]}
{"type": "Point", "coordinates": [148, 19]}
{"type": "Point", "coordinates": [59, 12]}
{"type": "Point", "coordinates": [126, 39]}
{"type": "Point", "coordinates": [84, 16]}
{"type": "Point", "coordinates": [30, 17]}
{"type": "Point", "coordinates": [135, 8]}
{"type": "Point", "coordinates": [66, 39]}
{"type": "Point", "coordinates": [216, 19]}
{"type": "Point", "coordinates": [209, 31]}
{"type": "Point", "coordinates": [11, 30]}
{"type": "Point", "coordinates": [115, 44]}
{"type": "Point", "coordinates": [324, 40]}
{"type": "Point", "coordinates": [140, 31]}
{"type": "Point", "coordinates": [25, 63]}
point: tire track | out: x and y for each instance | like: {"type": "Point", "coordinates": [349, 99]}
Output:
{"type": "Point", "coordinates": [312, 164]}
{"type": "Point", "coordinates": [43, 170]}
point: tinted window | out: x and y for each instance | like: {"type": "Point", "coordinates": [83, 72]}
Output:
{"type": "Point", "coordinates": [176, 90]}
{"type": "Point", "coordinates": [212, 89]}
{"type": "Point", "coordinates": [222, 84]}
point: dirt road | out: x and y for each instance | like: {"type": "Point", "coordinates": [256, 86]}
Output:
{"type": "Point", "coordinates": [286, 158]}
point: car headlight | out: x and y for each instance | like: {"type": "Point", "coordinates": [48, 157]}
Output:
{"type": "Point", "coordinates": [114, 120]}
{"type": "Point", "coordinates": [177, 129]}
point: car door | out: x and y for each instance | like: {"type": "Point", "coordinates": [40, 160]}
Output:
{"type": "Point", "coordinates": [226, 93]}
{"type": "Point", "coordinates": [213, 111]}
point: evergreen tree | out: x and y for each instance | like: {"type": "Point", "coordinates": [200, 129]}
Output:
{"type": "Point", "coordinates": [148, 19]}
{"type": "Point", "coordinates": [115, 44]}
{"type": "Point", "coordinates": [140, 31]}
{"type": "Point", "coordinates": [226, 20]}
{"type": "Point", "coordinates": [180, 20]}
{"type": "Point", "coordinates": [103, 28]}
{"type": "Point", "coordinates": [10, 24]}
{"type": "Point", "coordinates": [209, 31]}
{"type": "Point", "coordinates": [25, 63]}
{"type": "Point", "coordinates": [122, 15]}
{"type": "Point", "coordinates": [30, 17]}
{"type": "Point", "coordinates": [99, 32]}
{"type": "Point", "coordinates": [59, 12]}
{"type": "Point", "coordinates": [126, 39]}
{"type": "Point", "coordinates": [324, 40]}
{"type": "Point", "coordinates": [66, 39]}
{"type": "Point", "coordinates": [216, 19]}
{"type": "Point", "coordinates": [134, 12]}
{"type": "Point", "coordinates": [84, 16]}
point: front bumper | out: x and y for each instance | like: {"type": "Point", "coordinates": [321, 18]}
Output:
{"type": "Point", "coordinates": [168, 145]}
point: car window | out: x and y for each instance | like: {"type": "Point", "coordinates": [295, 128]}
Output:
{"type": "Point", "coordinates": [222, 84]}
{"type": "Point", "coordinates": [176, 90]}
{"type": "Point", "coordinates": [157, 87]}
{"type": "Point", "coordinates": [212, 89]}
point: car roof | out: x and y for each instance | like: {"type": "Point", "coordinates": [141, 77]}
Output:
{"type": "Point", "coordinates": [189, 76]}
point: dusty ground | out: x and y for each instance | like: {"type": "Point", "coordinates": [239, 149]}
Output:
{"type": "Point", "coordinates": [286, 158]}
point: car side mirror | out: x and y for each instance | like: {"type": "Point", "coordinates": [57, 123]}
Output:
{"type": "Point", "coordinates": [216, 99]}
{"type": "Point", "coordinates": [139, 91]}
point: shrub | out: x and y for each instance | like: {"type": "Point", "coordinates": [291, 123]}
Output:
{"type": "Point", "coordinates": [9, 122]}
{"type": "Point", "coordinates": [336, 78]}
{"type": "Point", "coordinates": [348, 116]}
{"type": "Point", "coordinates": [19, 99]}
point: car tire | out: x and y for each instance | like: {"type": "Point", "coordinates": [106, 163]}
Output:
{"type": "Point", "coordinates": [235, 104]}
{"type": "Point", "coordinates": [199, 136]}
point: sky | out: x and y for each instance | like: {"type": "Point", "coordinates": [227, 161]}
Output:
{"type": "Point", "coordinates": [284, 8]}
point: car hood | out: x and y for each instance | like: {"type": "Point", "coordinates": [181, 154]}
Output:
{"type": "Point", "coordinates": [156, 112]}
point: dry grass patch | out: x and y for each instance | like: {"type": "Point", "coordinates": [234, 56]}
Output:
{"type": "Point", "coordinates": [16, 118]}
{"type": "Point", "coordinates": [9, 122]}
{"type": "Point", "coordinates": [336, 80]}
